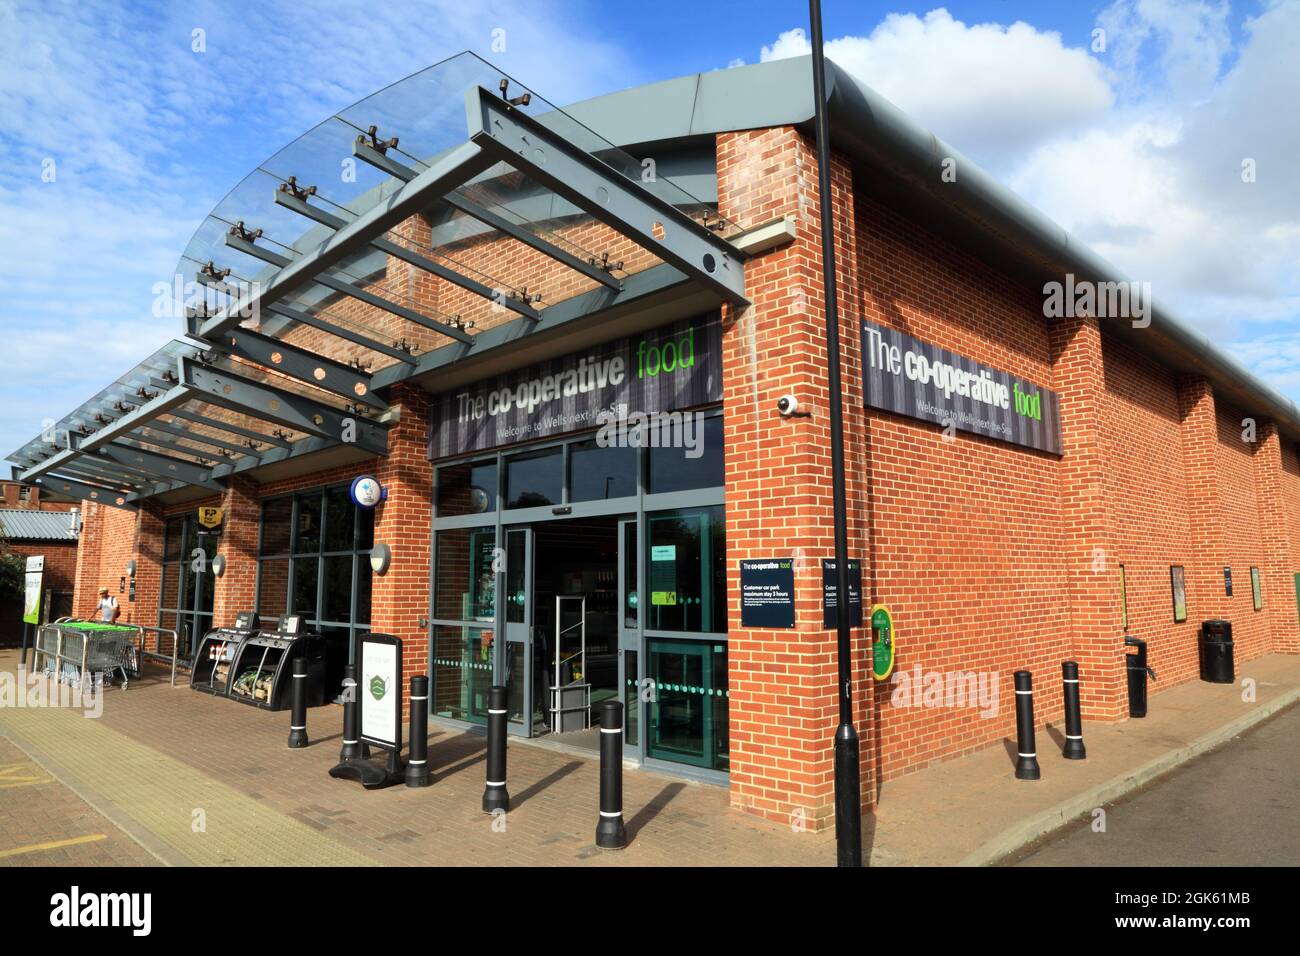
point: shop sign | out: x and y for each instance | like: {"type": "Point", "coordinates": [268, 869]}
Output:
{"type": "Point", "coordinates": [674, 367]}
{"type": "Point", "coordinates": [34, 573]}
{"type": "Point", "coordinates": [882, 642]}
{"type": "Point", "coordinates": [379, 690]}
{"type": "Point", "coordinates": [366, 491]}
{"type": "Point", "coordinates": [767, 593]}
{"type": "Point", "coordinates": [920, 380]}
{"type": "Point", "coordinates": [830, 592]}
{"type": "Point", "coordinates": [210, 516]}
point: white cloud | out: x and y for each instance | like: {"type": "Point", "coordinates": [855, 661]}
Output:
{"type": "Point", "coordinates": [1137, 150]}
{"type": "Point", "coordinates": [947, 74]}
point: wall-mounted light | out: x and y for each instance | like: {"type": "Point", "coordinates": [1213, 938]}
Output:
{"type": "Point", "coordinates": [219, 565]}
{"type": "Point", "coordinates": [130, 568]}
{"type": "Point", "coordinates": [381, 556]}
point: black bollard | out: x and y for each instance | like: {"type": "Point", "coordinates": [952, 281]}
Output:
{"type": "Point", "coordinates": [1027, 757]}
{"type": "Point", "coordinates": [298, 718]}
{"type": "Point", "coordinates": [1074, 749]}
{"type": "Point", "coordinates": [495, 795]}
{"type": "Point", "coordinates": [351, 749]}
{"type": "Point", "coordinates": [417, 761]}
{"type": "Point", "coordinates": [610, 833]}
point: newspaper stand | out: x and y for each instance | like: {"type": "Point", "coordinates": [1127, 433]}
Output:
{"type": "Point", "coordinates": [216, 653]}
{"type": "Point", "coordinates": [378, 697]}
{"type": "Point", "coordinates": [261, 673]}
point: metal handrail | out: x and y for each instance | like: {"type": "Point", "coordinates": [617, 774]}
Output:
{"type": "Point", "coordinates": [160, 631]}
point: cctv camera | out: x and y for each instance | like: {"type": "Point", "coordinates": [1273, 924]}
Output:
{"type": "Point", "coordinates": [788, 406]}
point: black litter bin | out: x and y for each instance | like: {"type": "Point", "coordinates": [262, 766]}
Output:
{"type": "Point", "coordinates": [1138, 671]}
{"type": "Point", "coordinates": [1216, 652]}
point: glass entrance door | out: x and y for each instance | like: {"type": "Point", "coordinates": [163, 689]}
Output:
{"type": "Point", "coordinates": [629, 635]}
{"type": "Point", "coordinates": [518, 665]}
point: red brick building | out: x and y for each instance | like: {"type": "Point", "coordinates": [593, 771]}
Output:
{"type": "Point", "coordinates": [48, 533]}
{"type": "Point", "coordinates": [1026, 485]}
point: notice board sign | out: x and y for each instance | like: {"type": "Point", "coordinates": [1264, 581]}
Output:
{"type": "Point", "coordinates": [830, 586]}
{"type": "Point", "coordinates": [767, 592]}
{"type": "Point", "coordinates": [379, 694]}
{"type": "Point", "coordinates": [35, 573]}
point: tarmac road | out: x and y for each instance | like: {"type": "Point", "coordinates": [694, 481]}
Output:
{"type": "Point", "coordinates": [1238, 805]}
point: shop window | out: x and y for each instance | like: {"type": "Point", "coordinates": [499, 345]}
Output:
{"type": "Point", "coordinates": [465, 581]}
{"type": "Point", "coordinates": [467, 488]}
{"type": "Point", "coordinates": [306, 535]}
{"type": "Point", "coordinates": [277, 525]}
{"type": "Point", "coordinates": [314, 561]}
{"type": "Point", "coordinates": [185, 596]}
{"type": "Point", "coordinates": [685, 469]}
{"type": "Point", "coordinates": [598, 474]}
{"type": "Point", "coordinates": [686, 570]}
{"type": "Point", "coordinates": [535, 478]}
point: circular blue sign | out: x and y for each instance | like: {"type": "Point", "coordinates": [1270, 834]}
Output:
{"type": "Point", "coordinates": [366, 491]}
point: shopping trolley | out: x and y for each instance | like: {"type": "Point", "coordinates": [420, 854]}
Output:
{"type": "Point", "coordinates": [86, 653]}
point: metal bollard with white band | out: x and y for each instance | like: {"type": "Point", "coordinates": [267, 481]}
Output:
{"type": "Point", "coordinates": [351, 749]}
{"type": "Point", "coordinates": [1026, 755]}
{"type": "Point", "coordinates": [610, 832]}
{"type": "Point", "coordinates": [1074, 749]}
{"type": "Point", "coordinates": [298, 712]}
{"type": "Point", "coordinates": [417, 761]}
{"type": "Point", "coordinates": [495, 795]}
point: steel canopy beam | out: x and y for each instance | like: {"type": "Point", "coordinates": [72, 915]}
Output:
{"type": "Point", "coordinates": [86, 492]}
{"type": "Point", "coordinates": [456, 167]}
{"type": "Point", "coordinates": [350, 288]}
{"type": "Point", "coordinates": [232, 429]}
{"type": "Point", "coordinates": [399, 251]}
{"type": "Point", "coordinates": [164, 466]}
{"type": "Point", "coordinates": [595, 187]}
{"type": "Point", "coordinates": [190, 435]}
{"type": "Point", "coordinates": [165, 402]}
{"type": "Point", "coordinates": [343, 380]}
{"type": "Point", "coordinates": [486, 216]}
{"type": "Point", "coordinates": [169, 443]}
{"type": "Point", "coordinates": [271, 404]}
{"type": "Point", "coordinates": [91, 471]}
{"type": "Point", "coordinates": [342, 333]}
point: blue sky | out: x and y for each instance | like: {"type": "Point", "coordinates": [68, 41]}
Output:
{"type": "Point", "coordinates": [1136, 148]}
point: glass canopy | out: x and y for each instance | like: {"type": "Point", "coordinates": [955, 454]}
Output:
{"type": "Point", "coordinates": [445, 204]}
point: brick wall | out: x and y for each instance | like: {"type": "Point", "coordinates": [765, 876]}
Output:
{"type": "Point", "coordinates": [783, 705]}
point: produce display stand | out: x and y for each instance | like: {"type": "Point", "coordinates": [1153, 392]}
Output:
{"type": "Point", "coordinates": [212, 668]}
{"type": "Point", "coordinates": [261, 671]}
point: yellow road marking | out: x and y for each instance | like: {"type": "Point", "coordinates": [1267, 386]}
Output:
{"type": "Point", "coordinates": [53, 845]}
{"type": "Point", "coordinates": [20, 775]}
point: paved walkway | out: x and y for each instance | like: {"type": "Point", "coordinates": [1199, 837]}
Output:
{"type": "Point", "coordinates": [43, 823]}
{"type": "Point", "coordinates": [198, 780]}
{"type": "Point", "coordinates": [183, 778]}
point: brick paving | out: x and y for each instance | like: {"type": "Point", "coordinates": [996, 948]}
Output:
{"type": "Point", "coordinates": [43, 823]}
{"type": "Point", "coordinates": [159, 754]}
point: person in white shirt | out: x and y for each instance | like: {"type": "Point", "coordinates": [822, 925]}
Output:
{"type": "Point", "coordinates": [107, 606]}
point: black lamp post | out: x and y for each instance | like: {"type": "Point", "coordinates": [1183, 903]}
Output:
{"type": "Point", "coordinates": [848, 794]}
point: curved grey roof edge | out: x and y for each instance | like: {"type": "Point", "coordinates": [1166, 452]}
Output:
{"type": "Point", "coordinates": [869, 128]}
